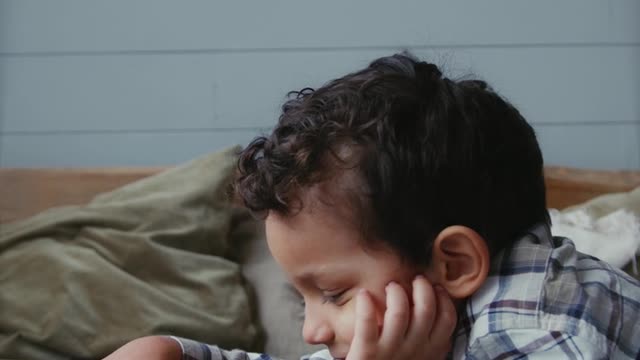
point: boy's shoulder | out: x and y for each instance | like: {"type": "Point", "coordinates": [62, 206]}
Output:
{"type": "Point", "coordinates": [543, 295]}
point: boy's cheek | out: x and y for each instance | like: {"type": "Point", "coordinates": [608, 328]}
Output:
{"type": "Point", "coordinates": [345, 328]}
{"type": "Point", "coordinates": [347, 320]}
{"type": "Point", "coordinates": [380, 302]}
{"type": "Point", "coordinates": [379, 298]}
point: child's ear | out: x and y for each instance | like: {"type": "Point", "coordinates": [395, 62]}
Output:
{"type": "Point", "coordinates": [460, 261]}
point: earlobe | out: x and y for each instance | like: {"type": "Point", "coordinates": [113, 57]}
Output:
{"type": "Point", "coordinates": [460, 261]}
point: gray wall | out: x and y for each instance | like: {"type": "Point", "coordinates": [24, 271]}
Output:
{"type": "Point", "coordinates": [133, 82]}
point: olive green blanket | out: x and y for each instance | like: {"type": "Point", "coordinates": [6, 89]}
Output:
{"type": "Point", "coordinates": [148, 258]}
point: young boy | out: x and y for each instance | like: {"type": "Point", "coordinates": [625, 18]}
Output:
{"type": "Point", "coordinates": [397, 200]}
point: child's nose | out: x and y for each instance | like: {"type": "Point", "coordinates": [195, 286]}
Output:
{"type": "Point", "coordinates": [316, 331]}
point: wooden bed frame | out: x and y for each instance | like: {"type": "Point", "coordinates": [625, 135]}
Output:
{"type": "Point", "coordinates": [24, 192]}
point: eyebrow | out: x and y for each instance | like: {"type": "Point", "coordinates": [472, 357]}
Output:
{"type": "Point", "coordinates": [314, 276]}
{"type": "Point", "coordinates": [307, 277]}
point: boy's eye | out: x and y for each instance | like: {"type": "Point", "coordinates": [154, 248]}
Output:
{"type": "Point", "coordinates": [332, 297]}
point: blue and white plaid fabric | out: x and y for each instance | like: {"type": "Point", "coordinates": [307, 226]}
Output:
{"type": "Point", "coordinates": [542, 300]}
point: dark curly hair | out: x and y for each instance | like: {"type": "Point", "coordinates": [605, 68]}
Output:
{"type": "Point", "coordinates": [429, 152]}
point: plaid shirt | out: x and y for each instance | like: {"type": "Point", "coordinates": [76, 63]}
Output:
{"type": "Point", "coordinates": [542, 299]}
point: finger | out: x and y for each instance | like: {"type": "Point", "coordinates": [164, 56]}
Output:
{"type": "Point", "coordinates": [396, 317]}
{"type": "Point", "coordinates": [446, 318]}
{"type": "Point", "coordinates": [424, 310]}
{"type": "Point", "coordinates": [366, 326]}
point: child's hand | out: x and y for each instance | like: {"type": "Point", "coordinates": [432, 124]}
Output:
{"type": "Point", "coordinates": [421, 332]}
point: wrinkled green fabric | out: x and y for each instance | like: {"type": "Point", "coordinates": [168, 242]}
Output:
{"type": "Point", "coordinates": [606, 204]}
{"type": "Point", "coordinates": [148, 258]}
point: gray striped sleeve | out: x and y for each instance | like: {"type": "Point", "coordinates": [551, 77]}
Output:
{"type": "Point", "coordinates": [193, 350]}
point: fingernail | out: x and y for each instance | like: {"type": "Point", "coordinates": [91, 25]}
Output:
{"type": "Point", "coordinates": [392, 283]}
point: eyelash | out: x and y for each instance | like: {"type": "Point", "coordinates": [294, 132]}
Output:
{"type": "Point", "coordinates": [332, 298]}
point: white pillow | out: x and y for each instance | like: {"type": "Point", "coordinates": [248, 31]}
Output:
{"type": "Point", "coordinates": [614, 238]}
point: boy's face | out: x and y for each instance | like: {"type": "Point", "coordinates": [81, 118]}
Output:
{"type": "Point", "coordinates": [323, 255]}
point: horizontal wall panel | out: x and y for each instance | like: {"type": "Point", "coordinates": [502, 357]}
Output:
{"type": "Point", "coordinates": [146, 25]}
{"type": "Point", "coordinates": [112, 92]}
{"type": "Point", "coordinates": [624, 20]}
{"type": "Point", "coordinates": [240, 90]}
{"type": "Point", "coordinates": [591, 146]}
{"type": "Point", "coordinates": [114, 149]}
{"type": "Point", "coordinates": [160, 91]}
{"type": "Point", "coordinates": [560, 85]}
{"type": "Point", "coordinates": [586, 146]}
